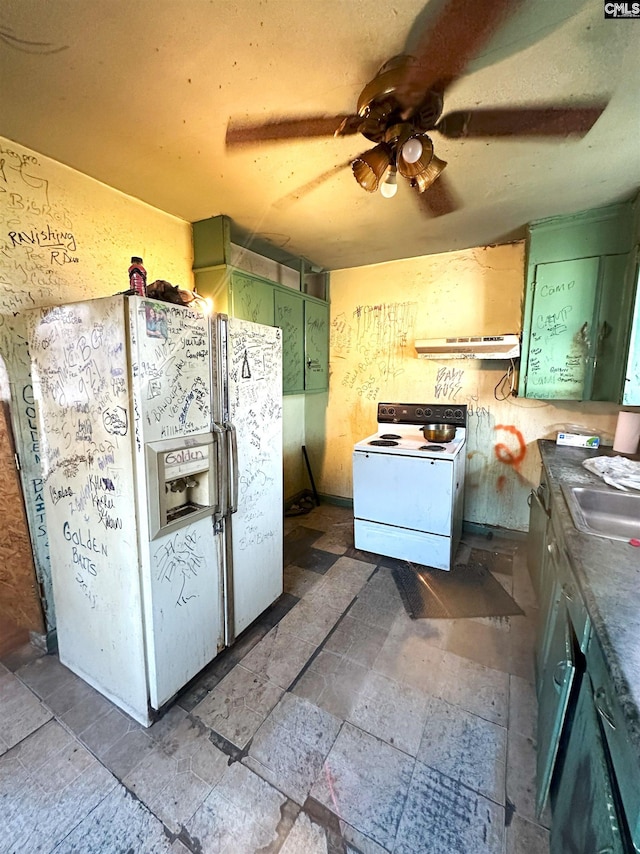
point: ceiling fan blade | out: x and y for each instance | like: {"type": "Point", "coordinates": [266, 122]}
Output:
{"type": "Point", "coordinates": [521, 121]}
{"type": "Point", "coordinates": [448, 44]}
{"type": "Point", "coordinates": [298, 128]}
{"type": "Point", "coordinates": [439, 199]}
{"type": "Point", "coordinates": [295, 195]}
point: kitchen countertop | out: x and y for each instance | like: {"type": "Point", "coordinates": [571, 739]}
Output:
{"type": "Point", "coordinates": [608, 573]}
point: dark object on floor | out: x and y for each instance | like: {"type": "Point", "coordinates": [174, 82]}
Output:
{"type": "Point", "coordinates": [310, 473]}
{"type": "Point", "coordinates": [299, 508]}
{"type": "Point", "coordinates": [468, 590]}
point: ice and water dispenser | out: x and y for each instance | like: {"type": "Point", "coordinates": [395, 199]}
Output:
{"type": "Point", "coordinates": [186, 474]}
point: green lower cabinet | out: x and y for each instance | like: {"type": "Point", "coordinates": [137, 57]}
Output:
{"type": "Point", "coordinates": [553, 698]}
{"type": "Point", "coordinates": [289, 308]}
{"type": "Point", "coordinates": [316, 346]}
{"type": "Point", "coordinates": [585, 817]}
{"type": "Point", "coordinates": [549, 598]}
{"type": "Point", "coordinates": [537, 539]}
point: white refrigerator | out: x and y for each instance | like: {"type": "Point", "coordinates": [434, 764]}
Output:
{"type": "Point", "coordinates": [161, 452]}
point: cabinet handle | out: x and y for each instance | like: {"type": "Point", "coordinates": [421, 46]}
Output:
{"type": "Point", "coordinates": [552, 547]}
{"type": "Point", "coordinates": [583, 335]}
{"type": "Point", "coordinates": [559, 673]}
{"type": "Point", "coordinates": [604, 332]}
{"type": "Point", "coordinates": [599, 698]}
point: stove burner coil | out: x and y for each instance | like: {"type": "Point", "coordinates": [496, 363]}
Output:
{"type": "Point", "coordinates": [389, 436]}
{"type": "Point", "coordinates": [385, 443]}
{"type": "Point", "coordinates": [431, 448]}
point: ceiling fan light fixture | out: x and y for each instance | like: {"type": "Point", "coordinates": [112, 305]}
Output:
{"type": "Point", "coordinates": [411, 168]}
{"type": "Point", "coordinates": [412, 150]}
{"type": "Point", "coordinates": [370, 167]}
{"type": "Point", "coordinates": [423, 180]}
{"type": "Point", "coordinates": [389, 186]}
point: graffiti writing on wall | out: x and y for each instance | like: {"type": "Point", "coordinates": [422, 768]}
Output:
{"type": "Point", "coordinates": [378, 336]}
{"type": "Point", "coordinates": [511, 453]}
{"type": "Point", "coordinates": [448, 383]}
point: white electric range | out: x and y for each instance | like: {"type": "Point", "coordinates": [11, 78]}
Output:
{"type": "Point", "coordinates": [408, 492]}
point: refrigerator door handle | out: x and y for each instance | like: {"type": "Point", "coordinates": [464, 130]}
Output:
{"type": "Point", "coordinates": [233, 481]}
{"type": "Point", "coordinates": [223, 470]}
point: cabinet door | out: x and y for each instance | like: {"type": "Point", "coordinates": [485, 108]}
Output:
{"type": "Point", "coordinates": [549, 599]}
{"type": "Point", "coordinates": [631, 392]}
{"type": "Point", "coordinates": [289, 310]}
{"type": "Point", "coordinates": [558, 672]}
{"type": "Point", "coordinates": [537, 536]}
{"type": "Point", "coordinates": [562, 316]}
{"type": "Point", "coordinates": [612, 329]}
{"type": "Point", "coordinates": [251, 298]}
{"type": "Point", "coordinates": [585, 819]}
{"type": "Point", "coordinates": [316, 346]}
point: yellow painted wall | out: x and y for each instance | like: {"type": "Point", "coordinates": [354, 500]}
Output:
{"type": "Point", "coordinates": [293, 439]}
{"type": "Point", "coordinates": [66, 237]}
{"type": "Point", "coordinates": [376, 314]}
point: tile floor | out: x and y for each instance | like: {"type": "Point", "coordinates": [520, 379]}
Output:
{"type": "Point", "coordinates": [335, 724]}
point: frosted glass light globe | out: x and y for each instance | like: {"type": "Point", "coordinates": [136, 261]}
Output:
{"type": "Point", "coordinates": [411, 150]}
{"type": "Point", "coordinates": [389, 188]}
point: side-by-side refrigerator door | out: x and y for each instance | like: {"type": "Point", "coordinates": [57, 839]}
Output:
{"type": "Point", "coordinates": [254, 427]}
{"type": "Point", "coordinates": [82, 393]}
{"type": "Point", "coordinates": [180, 473]}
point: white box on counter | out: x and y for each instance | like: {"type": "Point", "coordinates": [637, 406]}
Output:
{"type": "Point", "coordinates": [577, 440]}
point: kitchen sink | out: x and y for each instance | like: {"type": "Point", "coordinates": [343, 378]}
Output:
{"type": "Point", "coordinates": [604, 511]}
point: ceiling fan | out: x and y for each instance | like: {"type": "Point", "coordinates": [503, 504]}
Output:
{"type": "Point", "coordinates": [403, 104]}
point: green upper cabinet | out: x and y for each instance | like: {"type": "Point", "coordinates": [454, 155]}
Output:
{"type": "Point", "coordinates": [289, 316]}
{"type": "Point", "coordinates": [251, 298]}
{"type": "Point", "coordinates": [631, 394]}
{"type": "Point", "coordinates": [562, 318]}
{"type": "Point", "coordinates": [302, 316]}
{"type": "Point", "coordinates": [316, 345]}
{"type": "Point", "coordinates": [578, 306]}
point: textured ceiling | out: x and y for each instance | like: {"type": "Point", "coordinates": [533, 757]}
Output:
{"type": "Point", "coordinates": [138, 94]}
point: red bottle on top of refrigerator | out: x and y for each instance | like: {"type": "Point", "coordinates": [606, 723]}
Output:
{"type": "Point", "coordinates": [138, 277]}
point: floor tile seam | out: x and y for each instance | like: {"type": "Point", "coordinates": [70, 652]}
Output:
{"type": "Point", "coordinates": [90, 749]}
{"type": "Point", "coordinates": [303, 741]}
{"type": "Point", "coordinates": [320, 648]}
{"type": "Point", "coordinates": [239, 807]}
{"type": "Point", "coordinates": [439, 696]}
{"type": "Point", "coordinates": [40, 697]}
{"type": "Point", "coordinates": [232, 752]}
{"type": "Point", "coordinates": [466, 787]}
{"type": "Point", "coordinates": [86, 815]}
{"type": "Point", "coordinates": [17, 716]}
{"type": "Point", "coordinates": [33, 732]}
{"type": "Point", "coordinates": [463, 658]}
{"type": "Point", "coordinates": [152, 807]}
{"type": "Point", "coordinates": [170, 834]}
{"type": "Point", "coordinates": [383, 741]}
{"type": "Point", "coordinates": [59, 717]}
{"type": "Point", "coordinates": [323, 820]}
{"type": "Point", "coordinates": [277, 629]}
{"type": "Point", "coordinates": [271, 783]}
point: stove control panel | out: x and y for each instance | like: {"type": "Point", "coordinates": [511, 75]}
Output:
{"type": "Point", "coordinates": [422, 413]}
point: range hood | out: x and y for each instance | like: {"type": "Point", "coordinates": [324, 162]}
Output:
{"type": "Point", "coordinates": [469, 347]}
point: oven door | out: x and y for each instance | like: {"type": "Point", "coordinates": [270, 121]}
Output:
{"type": "Point", "coordinates": [408, 492]}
